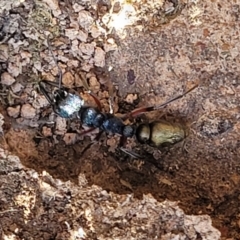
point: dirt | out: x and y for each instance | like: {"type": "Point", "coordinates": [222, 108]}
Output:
{"type": "Point", "coordinates": [162, 51]}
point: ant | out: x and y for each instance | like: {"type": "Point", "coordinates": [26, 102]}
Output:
{"type": "Point", "coordinates": [66, 103]}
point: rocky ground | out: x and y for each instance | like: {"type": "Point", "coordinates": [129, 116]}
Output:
{"type": "Point", "coordinates": [57, 183]}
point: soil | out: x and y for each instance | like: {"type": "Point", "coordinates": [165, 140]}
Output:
{"type": "Point", "coordinates": [156, 56]}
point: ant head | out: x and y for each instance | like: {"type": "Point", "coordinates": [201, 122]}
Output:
{"type": "Point", "coordinates": [59, 95]}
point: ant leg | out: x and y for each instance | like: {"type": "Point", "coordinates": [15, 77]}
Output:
{"type": "Point", "coordinates": [142, 110]}
{"type": "Point", "coordinates": [55, 60]}
{"type": "Point", "coordinates": [45, 93]}
{"type": "Point", "coordinates": [130, 153]}
{"type": "Point", "coordinates": [42, 89]}
{"type": "Point", "coordinates": [84, 132]}
{"type": "Point", "coordinates": [111, 95]}
{"type": "Point", "coordinates": [50, 83]}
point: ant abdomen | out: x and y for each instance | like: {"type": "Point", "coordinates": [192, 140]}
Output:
{"type": "Point", "coordinates": [160, 133]}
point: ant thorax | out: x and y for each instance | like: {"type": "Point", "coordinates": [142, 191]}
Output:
{"type": "Point", "coordinates": [67, 104]}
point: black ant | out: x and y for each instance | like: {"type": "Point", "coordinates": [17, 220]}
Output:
{"type": "Point", "coordinates": [68, 104]}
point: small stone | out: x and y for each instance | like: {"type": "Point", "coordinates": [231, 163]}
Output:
{"type": "Point", "coordinates": [95, 32]}
{"type": "Point", "coordinates": [85, 19]}
{"type": "Point", "coordinates": [73, 63]}
{"type": "Point", "coordinates": [17, 87]}
{"type": "Point", "coordinates": [116, 7]}
{"type": "Point", "coordinates": [109, 47]}
{"type": "Point", "coordinates": [82, 36]}
{"type": "Point", "coordinates": [7, 79]}
{"type": "Point", "coordinates": [63, 59]}
{"type": "Point", "coordinates": [78, 80]}
{"type": "Point", "coordinates": [86, 66]}
{"type": "Point", "coordinates": [25, 55]}
{"type": "Point", "coordinates": [94, 84]}
{"type": "Point", "coordinates": [77, 7]}
{"type": "Point", "coordinates": [28, 111]}
{"type": "Point", "coordinates": [71, 33]}
{"type": "Point", "coordinates": [40, 101]}
{"type": "Point", "coordinates": [46, 132]}
{"type": "Point", "coordinates": [87, 48]}
{"type": "Point", "coordinates": [53, 4]}
{"type": "Point", "coordinates": [68, 80]}
{"type": "Point", "coordinates": [131, 98]}
{"type": "Point", "coordinates": [61, 126]}
{"type": "Point", "coordinates": [99, 57]}
{"type": "Point", "coordinates": [111, 41]}
{"type": "Point", "coordinates": [13, 111]}
{"type": "Point", "coordinates": [70, 138]}
{"type": "Point", "coordinates": [4, 55]}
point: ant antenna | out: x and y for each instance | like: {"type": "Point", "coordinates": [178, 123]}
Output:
{"type": "Point", "coordinates": [55, 60]}
{"type": "Point", "coordinates": [175, 98]}
{"type": "Point", "coordinates": [142, 110]}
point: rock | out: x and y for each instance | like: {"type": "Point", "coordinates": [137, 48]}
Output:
{"type": "Point", "coordinates": [46, 132]}
{"type": "Point", "coordinates": [28, 111]}
{"type": "Point", "coordinates": [61, 126]}
{"type": "Point", "coordinates": [116, 7]}
{"type": "Point", "coordinates": [40, 101]}
{"type": "Point", "coordinates": [110, 47]}
{"type": "Point", "coordinates": [13, 111]}
{"type": "Point", "coordinates": [95, 32]}
{"type": "Point", "coordinates": [82, 36]}
{"type": "Point", "coordinates": [68, 80]}
{"type": "Point", "coordinates": [15, 68]}
{"type": "Point", "coordinates": [7, 79]}
{"type": "Point", "coordinates": [131, 98]}
{"type": "Point", "coordinates": [85, 20]}
{"type": "Point", "coordinates": [77, 7]}
{"type": "Point", "coordinates": [53, 4]}
{"type": "Point", "coordinates": [70, 138]}
{"type": "Point", "coordinates": [17, 87]}
{"type": "Point", "coordinates": [4, 53]}
{"type": "Point", "coordinates": [71, 33]}
{"type": "Point", "coordinates": [87, 48]}
{"type": "Point", "coordinates": [99, 57]}
{"type": "Point", "coordinates": [94, 84]}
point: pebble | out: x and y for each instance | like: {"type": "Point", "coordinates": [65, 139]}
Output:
{"type": "Point", "coordinates": [87, 48]}
{"type": "Point", "coordinates": [85, 19]}
{"type": "Point", "coordinates": [7, 79]}
{"type": "Point", "coordinates": [15, 68]}
{"type": "Point", "coordinates": [53, 4]}
{"type": "Point", "coordinates": [77, 7]}
{"type": "Point", "coordinates": [46, 131]}
{"type": "Point", "coordinates": [116, 7]}
{"type": "Point", "coordinates": [61, 126]}
{"type": "Point", "coordinates": [131, 98]}
{"type": "Point", "coordinates": [17, 87]}
{"type": "Point", "coordinates": [68, 80]}
{"type": "Point", "coordinates": [94, 84]}
{"type": "Point", "coordinates": [13, 111]}
{"type": "Point", "coordinates": [40, 101]}
{"type": "Point", "coordinates": [99, 57]}
{"type": "Point", "coordinates": [95, 32]}
{"type": "Point", "coordinates": [71, 33]}
{"type": "Point", "coordinates": [82, 36]}
{"type": "Point", "coordinates": [28, 111]}
{"type": "Point", "coordinates": [70, 138]}
{"type": "Point", "coordinates": [4, 53]}
{"type": "Point", "coordinates": [109, 47]}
